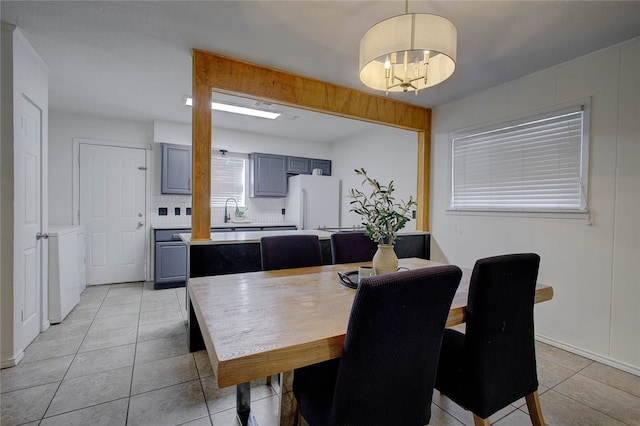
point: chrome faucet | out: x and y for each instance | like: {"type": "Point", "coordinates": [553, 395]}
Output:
{"type": "Point", "coordinates": [227, 216]}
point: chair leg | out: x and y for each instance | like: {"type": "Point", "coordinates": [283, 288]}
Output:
{"type": "Point", "coordinates": [478, 421]}
{"type": "Point", "coordinates": [535, 410]}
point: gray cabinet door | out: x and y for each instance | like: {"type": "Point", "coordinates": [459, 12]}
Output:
{"type": "Point", "coordinates": [298, 165]}
{"type": "Point", "coordinates": [268, 175]}
{"type": "Point", "coordinates": [324, 165]}
{"type": "Point", "coordinates": [176, 169]}
{"type": "Point", "coordinates": [171, 262]}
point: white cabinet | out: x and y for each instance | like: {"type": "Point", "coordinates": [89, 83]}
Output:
{"type": "Point", "coordinates": [67, 270]}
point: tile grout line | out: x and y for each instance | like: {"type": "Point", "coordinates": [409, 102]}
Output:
{"type": "Point", "coordinates": [580, 402]}
{"type": "Point", "coordinates": [71, 363]}
{"type": "Point", "coordinates": [135, 352]}
{"type": "Point", "coordinates": [193, 357]}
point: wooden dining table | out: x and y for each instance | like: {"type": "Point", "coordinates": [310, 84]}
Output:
{"type": "Point", "coordinates": [259, 324]}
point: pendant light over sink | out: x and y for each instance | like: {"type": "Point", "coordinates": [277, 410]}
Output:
{"type": "Point", "coordinates": [408, 52]}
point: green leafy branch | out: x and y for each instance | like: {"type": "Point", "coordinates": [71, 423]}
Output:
{"type": "Point", "coordinates": [382, 216]}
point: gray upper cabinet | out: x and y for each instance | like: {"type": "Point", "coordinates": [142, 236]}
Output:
{"type": "Point", "coordinates": [304, 166]}
{"type": "Point", "coordinates": [324, 165]}
{"type": "Point", "coordinates": [268, 175]}
{"type": "Point", "coordinates": [298, 165]}
{"type": "Point", "coordinates": [176, 169]}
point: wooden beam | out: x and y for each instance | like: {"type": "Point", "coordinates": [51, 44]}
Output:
{"type": "Point", "coordinates": [423, 186]}
{"type": "Point", "coordinates": [228, 75]}
{"type": "Point", "coordinates": [234, 76]}
{"type": "Point", "coordinates": [201, 163]}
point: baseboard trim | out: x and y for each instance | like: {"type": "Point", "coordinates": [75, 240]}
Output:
{"type": "Point", "coordinates": [591, 355]}
{"type": "Point", "coordinates": [12, 362]}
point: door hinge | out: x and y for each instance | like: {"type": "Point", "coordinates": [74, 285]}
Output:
{"type": "Point", "coordinates": [78, 216]}
{"type": "Point", "coordinates": [21, 315]}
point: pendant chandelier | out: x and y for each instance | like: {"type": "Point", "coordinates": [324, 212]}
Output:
{"type": "Point", "coordinates": [408, 52]}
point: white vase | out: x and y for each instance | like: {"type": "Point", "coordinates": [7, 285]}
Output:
{"type": "Point", "coordinates": [385, 259]}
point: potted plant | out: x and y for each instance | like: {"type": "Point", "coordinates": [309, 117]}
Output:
{"type": "Point", "coordinates": [382, 218]}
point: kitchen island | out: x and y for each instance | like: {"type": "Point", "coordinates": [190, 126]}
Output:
{"type": "Point", "coordinates": [169, 252]}
{"type": "Point", "coordinates": [234, 252]}
{"type": "Point", "coordinates": [239, 251]}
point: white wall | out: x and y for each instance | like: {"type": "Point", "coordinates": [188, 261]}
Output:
{"type": "Point", "coordinates": [63, 128]}
{"type": "Point", "coordinates": [590, 265]}
{"type": "Point", "coordinates": [386, 154]}
{"type": "Point", "coordinates": [258, 209]}
{"type": "Point", "coordinates": [7, 354]}
{"type": "Point", "coordinates": [236, 141]}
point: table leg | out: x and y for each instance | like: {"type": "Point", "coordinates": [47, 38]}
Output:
{"type": "Point", "coordinates": [194, 335]}
{"type": "Point", "coordinates": [243, 405]}
{"type": "Point", "coordinates": [288, 402]}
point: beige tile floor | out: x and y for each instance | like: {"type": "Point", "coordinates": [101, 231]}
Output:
{"type": "Point", "coordinates": [121, 358]}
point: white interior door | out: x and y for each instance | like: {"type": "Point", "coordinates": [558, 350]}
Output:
{"type": "Point", "coordinates": [28, 222]}
{"type": "Point", "coordinates": [112, 208]}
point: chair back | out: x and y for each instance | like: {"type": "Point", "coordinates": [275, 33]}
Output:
{"type": "Point", "coordinates": [387, 370]}
{"type": "Point", "coordinates": [499, 340]}
{"type": "Point", "coordinates": [348, 247]}
{"type": "Point", "coordinates": [290, 251]}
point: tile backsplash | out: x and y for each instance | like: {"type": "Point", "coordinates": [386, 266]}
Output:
{"type": "Point", "coordinates": [263, 210]}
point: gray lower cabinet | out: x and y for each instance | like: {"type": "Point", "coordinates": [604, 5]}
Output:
{"type": "Point", "coordinates": [176, 169]}
{"type": "Point", "coordinates": [170, 258]}
{"type": "Point", "coordinates": [171, 264]}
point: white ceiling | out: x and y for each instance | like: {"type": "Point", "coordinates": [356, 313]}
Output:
{"type": "Point", "coordinates": [131, 59]}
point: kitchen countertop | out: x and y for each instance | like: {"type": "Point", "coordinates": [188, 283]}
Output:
{"type": "Point", "coordinates": [250, 236]}
{"type": "Point", "coordinates": [254, 236]}
{"type": "Point", "coordinates": [223, 225]}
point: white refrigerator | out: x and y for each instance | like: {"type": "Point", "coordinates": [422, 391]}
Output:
{"type": "Point", "coordinates": [313, 201]}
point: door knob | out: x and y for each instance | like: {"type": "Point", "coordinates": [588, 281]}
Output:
{"type": "Point", "coordinates": [139, 214]}
{"type": "Point", "coordinates": [140, 224]}
{"type": "Point", "coordinates": [40, 235]}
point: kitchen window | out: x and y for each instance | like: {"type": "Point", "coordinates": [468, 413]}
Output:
{"type": "Point", "coordinates": [228, 178]}
{"type": "Point", "coordinates": [533, 164]}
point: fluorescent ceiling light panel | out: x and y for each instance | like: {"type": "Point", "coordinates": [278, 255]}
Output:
{"type": "Point", "coordinates": [238, 109]}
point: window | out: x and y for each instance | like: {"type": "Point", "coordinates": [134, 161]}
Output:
{"type": "Point", "coordinates": [228, 178]}
{"type": "Point", "coordinates": [535, 164]}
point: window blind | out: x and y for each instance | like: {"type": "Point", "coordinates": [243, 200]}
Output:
{"type": "Point", "coordinates": [534, 165]}
{"type": "Point", "coordinates": [227, 180]}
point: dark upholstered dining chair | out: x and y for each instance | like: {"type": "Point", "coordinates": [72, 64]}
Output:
{"type": "Point", "coordinates": [493, 363]}
{"type": "Point", "coordinates": [387, 370]}
{"type": "Point", "coordinates": [347, 247]}
{"type": "Point", "coordinates": [290, 251]}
